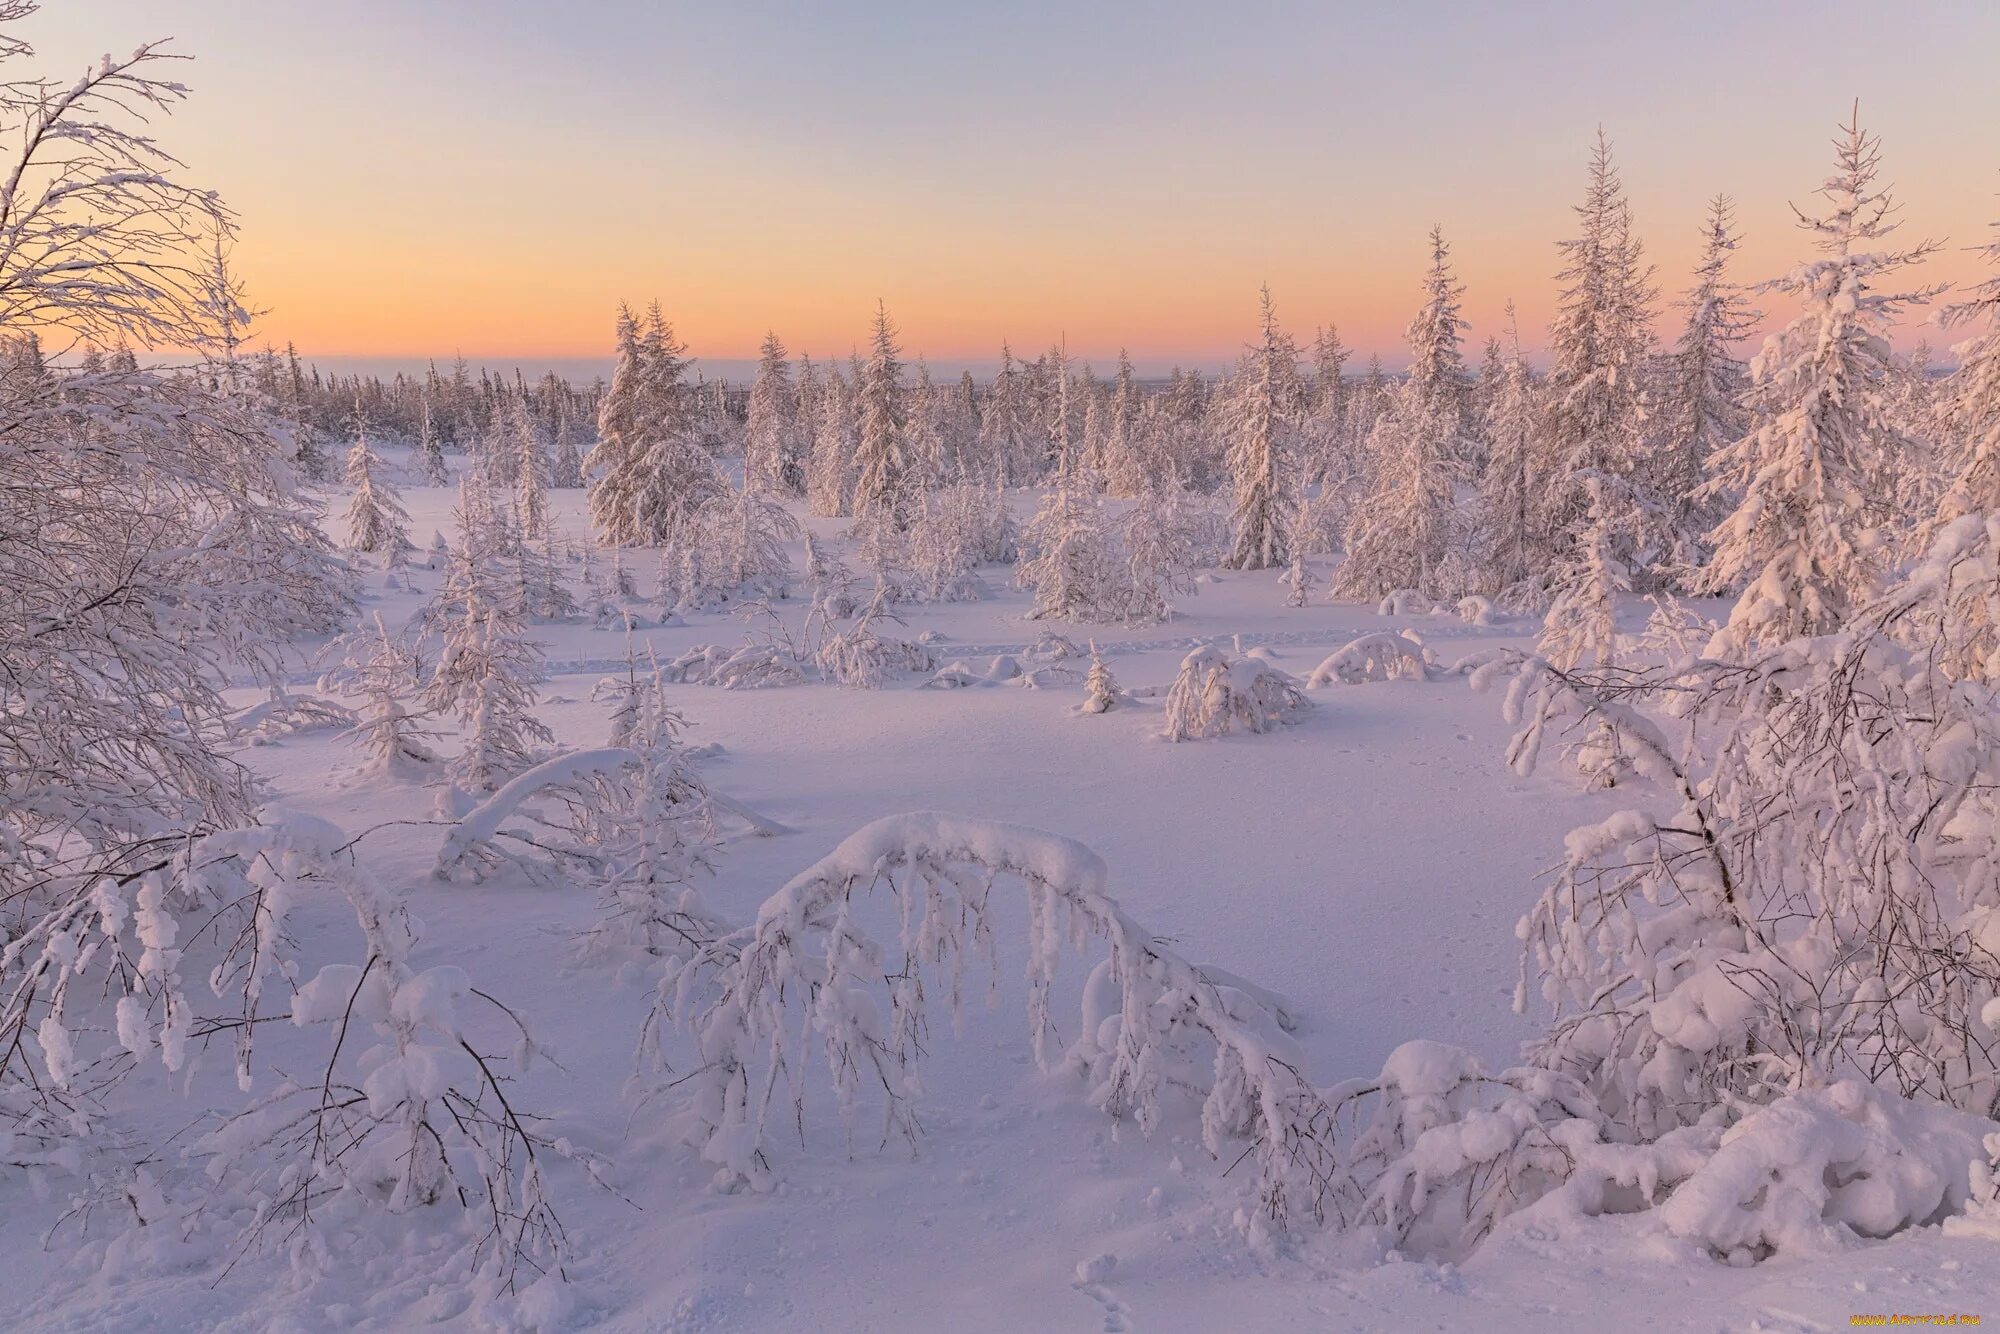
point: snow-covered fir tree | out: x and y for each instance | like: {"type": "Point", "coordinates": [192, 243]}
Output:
{"type": "Point", "coordinates": [531, 473]}
{"type": "Point", "coordinates": [1100, 688]}
{"type": "Point", "coordinates": [1594, 415]}
{"type": "Point", "coordinates": [881, 462]}
{"type": "Point", "coordinates": [1507, 500]}
{"type": "Point", "coordinates": [1408, 524]}
{"type": "Point", "coordinates": [1264, 420]}
{"type": "Point", "coordinates": [391, 738]}
{"type": "Point", "coordinates": [485, 676]}
{"type": "Point", "coordinates": [748, 536]}
{"type": "Point", "coordinates": [430, 449]}
{"type": "Point", "coordinates": [1329, 456]}
{"type": "Point", "coordinates": [1972, 400]}
{"type": "Point", "coordinates": [1071, 564]}
{"type": "Point", "coordinates": [652, 475]}
{"type": "Point", "coordinates": [1700, 406]}
{"type": "Point", "coordinates": [1581, 626]}
{"type": "Point", "coordinates": [1805, 543]}
{"type": "Point", "coordinates": [566, 470]}
{"type": "Point", "coordinates": [1005, 429]}
{"type": "Point", "coordinates": [1299, 580]}
{"type": "Point", "coordinates": [772, 451]}
{"type": "Point", "coordinates": [376, 519]}
{"type": "Point", "coordinates": [830, 479]}
{"type": "Point", "coordinates": [1159, 532]}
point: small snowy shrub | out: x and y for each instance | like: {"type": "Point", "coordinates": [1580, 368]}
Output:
{"type": "Point", "coordinates": [1813, 1170]}
{"type": "Point", "coordinates": [1213, 695]}
{"type": "Point", "coordinates": [1381, 656]}
{"type": "Point", "coordinates": [1100, 688]}
{"type": "Point", "coordinates": [859, 658]}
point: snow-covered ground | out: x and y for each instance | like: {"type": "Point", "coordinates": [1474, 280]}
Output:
{"type": "Point", "coordinates": [1367, 864]}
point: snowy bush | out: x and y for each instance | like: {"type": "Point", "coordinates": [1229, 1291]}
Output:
{"type": "Point", "coordinates": [1071, 561]}
{"type": "Point", "coordinates": [1405, 602]}
{"type": "Point", "coordinates": [1438, 1151]}
{"type": "Point", "coordinates": [750, 666]}
{"type": "Point", "coordinates": [420, 1118]}
{"type": "Point", "coordinates": [857, 657]}
{"type": "Point", "coordinates": [1813, 1170]}
{"type": "Point", "coordinates": [1213, 695]}
{"type": "Point", "coordinates": [1381, 656]}
{"type": "Point", "coordinates": [1816, 903]}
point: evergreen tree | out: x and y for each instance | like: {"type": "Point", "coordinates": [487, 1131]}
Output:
{"type": "Point", "coordinates": [567, 471]}
{"type": "Point", "coordinates": [1265, 417]}
{"type": "Point", "coordinates": [770, 441]}
{"type": "Point", "coordinates": [430, 449]}
{"type": "Point", "coordinates": [1594, 421]}
{"type": "Point", "coordinates": [882, 462]}
{"type": "Point", "coordinates": [1701, 407]}
{"type": "Point", "coordinates": [654, 477]}
{"type": "Point", "coordinates": [531, 473]}
{"type": "Point", "coordinates": [1804, 542]}
{"type": "Point", "coordinates": [1330, 460]}
{"type": "Point", "coordinates": [1973, 400]}
{"type": "Point", "coordinates": [1401, 533]}
{"type": "Point", "coordinates": [376, 519]}
{"type": "Point", "coordinates": [1003, 427]}
{"type": "Point", "coordinates": [829, 485]}
{"type": "Point", "coordinates": [1507, 484]}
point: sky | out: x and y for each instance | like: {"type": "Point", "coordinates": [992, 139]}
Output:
{"type": "Point", "coordinates": [423, 178]}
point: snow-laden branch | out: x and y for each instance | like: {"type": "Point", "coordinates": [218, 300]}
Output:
{"type": "Point", "coordinates": [808, 959]}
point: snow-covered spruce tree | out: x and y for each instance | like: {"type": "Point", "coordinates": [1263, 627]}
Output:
{"type": "Point", "coordinates": [1507, 502]}
{"type": "Point", "coordinates": [747, 538]}
{"type": "Point", "coordinates": [1972, 404]}
{"type": "Point", "coordinates": [1071, 564]}
{"type": "Point", "coordinates": [949, 541]}
{"type": "Point", "coordinates": [1159, 536]}
{"type": "Point", "coordinates": [430, 449]}
{"type": "Point", "coordinates": [1299, 580]}
{"type": "Point", "coordinates": [1006, 432]}
{"type": "Point", "coordinates": [390, 737]}
{"type": "Point", "coordinates": [829, 481]}
{"type": "Point", "coordinates": [531, 473]}
{"type": "Point", "coordinates": [1804, 543]}
{"type": "Point", "coordinates": [1594, 415]}
{"type": "Point", "coordinates": [1581, 626]}
{"type": "Point", "coordinates": [772, 451]}
{"type": "Point", "coordinates": [1437, 375]}
{"type": "Point", "coordinates": [1409, 522]}
{"type": "Point", "coordinates": [566, 471]}
{"type": "Point", "coordinates": [1328, 451]}
{"type": "Point", "coordinates": [881, 458]}
{"type": "Point", "coordinates": [486, 670]}
{"type": "Point", "coordinates": [1264, 414]}
{"type": "Point", "coordinates": [541, 593]}
{"type": "Point", "coordinates": [1124, 453]}
{"type": "Point", "coordinates": [1100, 688]}
{"type": "Point", "coordinates": [1700, 407]}
{"type": "Point", "coordinates": [652, 477]}
{"type": "Point", "coordinates": [928, 448]}
{"type": "Point", "coordinates": [376, 519]}
{"type": "Point", "coordinates": [655, 832]}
